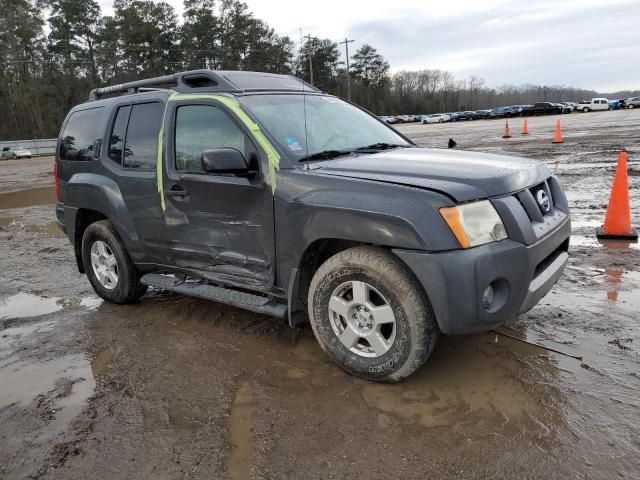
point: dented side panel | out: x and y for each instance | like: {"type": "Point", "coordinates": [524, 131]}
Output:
{"type": "Point", "coordinates": [224, 224]}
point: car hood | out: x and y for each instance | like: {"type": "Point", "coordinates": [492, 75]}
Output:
{"type": "Point", "coordinates": [461, 175]}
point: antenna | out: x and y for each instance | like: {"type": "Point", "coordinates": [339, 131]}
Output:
{"type": "Point", "coordinates": [304, 99]}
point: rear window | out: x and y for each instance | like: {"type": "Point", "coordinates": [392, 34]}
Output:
{"type": "Point", "coordinates": [141, 143]}
{"type": "Point", "coordinates": [118, 132]}
{"type": "Point", "coordinates": [77, 141]}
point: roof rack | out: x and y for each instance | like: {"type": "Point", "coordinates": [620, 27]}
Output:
{"type": "Point", "coordinates": [209, 81]}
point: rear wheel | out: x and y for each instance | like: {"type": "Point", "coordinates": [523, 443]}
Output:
{"type": "Point", "coordinates": [370, 315]}
{"type": "Point", "coordinates": [108, 265]}
{"type": "Point", "coordinates": [631, 106]}
{"type": "Point", "coordinates": [585, 109]}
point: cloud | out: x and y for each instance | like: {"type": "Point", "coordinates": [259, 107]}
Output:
{"type": "Point", "coordinates": [584, 43]}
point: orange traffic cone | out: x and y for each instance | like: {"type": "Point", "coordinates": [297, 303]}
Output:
{"type": "Point", "coordinates": [507, 133]}
{"type": "Point", "coordinates": [558, 136]}
{"type": "Point", "coordinates": [617, 223]}
{"type": "Point", "coordinates": [525, 127]}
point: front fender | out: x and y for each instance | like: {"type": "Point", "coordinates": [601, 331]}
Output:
{"type": "Point", "coordinates": [313, 207]}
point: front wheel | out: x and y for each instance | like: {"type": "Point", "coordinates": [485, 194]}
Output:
{"type": "Point", "coordinates": [370, 314]}
{"type": "Point", "coordinates": [585, 109]}
{"type": "Point", "coordinates": [631, 106]}
{"type": "Point", "coordinates": [109, 268]}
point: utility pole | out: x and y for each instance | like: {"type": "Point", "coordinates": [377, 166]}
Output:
{"type": "Point", "coordinates": [308, 37]}
{"type": "Point", "coordinates": [346, 47]}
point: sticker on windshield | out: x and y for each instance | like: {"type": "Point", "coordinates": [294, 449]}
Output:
{"type": "Point", "coordinates": [293, 144]}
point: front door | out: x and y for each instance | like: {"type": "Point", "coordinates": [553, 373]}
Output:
{"type": "Point", "coordinates": [217, 223]}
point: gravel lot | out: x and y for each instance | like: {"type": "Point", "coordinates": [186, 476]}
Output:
{"type": "Point", "coordinates": [175, 387]}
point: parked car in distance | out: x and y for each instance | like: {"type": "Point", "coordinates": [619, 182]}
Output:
{"type": "Point", "coordinates": [593, 105]}
{"type": "Point", "coordinates": [436, 118]}
{"type": "Point", "coordinates": [453, 116]}
{"type": "Point", "coordinates": [502, 112]}
{"type": "Point", "coordinates": [564, 108]}
{"type": "Point", "coordinates": [468, 115]}
{"type": "Point", "coordinates": [388, 119]}
{"type": "Point", "coordinates": [543, 108]}
{"type": "Point", "coordinates": [483, 113]}
{"type": "Point", "coordinates": [571, 105]}
{"type": "Point", "coordinates": [614, 105]}
{"type": "Point", "coordinates": [474, 241]}
{"type": "Point", "coordinates": [15, 152]}
{"type": "Point", "coordinates": [517, 109]}
{"type": "Point", "coordinates": [633, 102]}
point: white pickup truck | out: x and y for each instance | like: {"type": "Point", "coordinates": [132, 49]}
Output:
{"type": "Point", "coordinates": [594, 104]}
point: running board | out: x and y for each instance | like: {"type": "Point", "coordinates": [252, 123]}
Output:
{"type": "Point", "coordinates": [248, 301]}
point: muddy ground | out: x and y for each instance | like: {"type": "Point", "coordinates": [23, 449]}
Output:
{"type": "Point", "coordinates": [175, 387]}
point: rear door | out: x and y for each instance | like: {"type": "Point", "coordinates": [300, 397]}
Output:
{"type": "Point", "coordinates": [218, 223]}
{"type": "Point", "coordinates": [130, 160]}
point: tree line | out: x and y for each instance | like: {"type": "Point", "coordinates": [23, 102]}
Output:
{"type": "Point", "coordinates": [52, 52]}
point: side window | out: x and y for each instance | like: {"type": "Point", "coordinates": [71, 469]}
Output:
{"type": "Point", "coordinates": [118, 132]}
{"type": "Point", "coordinates": [79, 135]}
{"type": "Point", "coordinates": [141, 143]}
{"type": "Point", "coordinates": [203, 127]}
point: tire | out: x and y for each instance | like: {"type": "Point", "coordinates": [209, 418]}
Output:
{"type": "Point", "coordinates": [390, 285]}
{"type": "Point", "coordinates": [15, 157]}
{"type": "Point", "coordinates": [127, 287]}
{"type": "Point", "coordinates": [631, 106]}
{"type": "Point", "coordinates": [585, 109]}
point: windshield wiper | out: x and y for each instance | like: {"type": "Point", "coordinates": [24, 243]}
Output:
{"type": "Point", "coordinates": [380, 146]}
{"type": "Point", "coordinates": [325, 155]}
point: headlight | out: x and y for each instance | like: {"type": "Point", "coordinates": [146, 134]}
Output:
{"type": "Point", "coordinates": [474, 223]}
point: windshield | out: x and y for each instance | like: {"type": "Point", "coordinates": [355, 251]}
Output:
{"type": "Point", "coordinates": [332, 124]}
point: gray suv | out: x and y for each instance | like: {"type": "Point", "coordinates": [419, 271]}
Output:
{"type": "Point", "coordinates": [260, 191]}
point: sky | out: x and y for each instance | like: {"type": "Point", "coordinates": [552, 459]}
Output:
{"type": "Point", "coordinates": [582, 43]}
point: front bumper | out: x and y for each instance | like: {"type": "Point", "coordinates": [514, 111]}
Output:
{"type": "Point", "coordinates": [520, 275]}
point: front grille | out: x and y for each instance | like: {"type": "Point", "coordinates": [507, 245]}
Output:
{"type": "Point", "coordinates": [537, 201]}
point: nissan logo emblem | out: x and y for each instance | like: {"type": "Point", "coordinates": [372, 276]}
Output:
{"type": "Point", "coordinates": [543, 201]}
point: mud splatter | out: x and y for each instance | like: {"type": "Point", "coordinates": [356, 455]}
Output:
{"type": "Point", "coordinates": [240, 432]}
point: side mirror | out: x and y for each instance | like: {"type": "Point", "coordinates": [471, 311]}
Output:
{"type": "Point", "coordinates": [224, 160]}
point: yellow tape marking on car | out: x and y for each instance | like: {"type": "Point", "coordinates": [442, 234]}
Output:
{"type": "Point", "coordinates": [233, 105]}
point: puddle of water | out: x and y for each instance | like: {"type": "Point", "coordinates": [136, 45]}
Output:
{"type": "Point", "coordinates": [28, 198]}
{"type": "Point", "coordinates": [240, 425]}
{"type": "Point", "coordinates": [22, 381]}
{"type": "Point", "coordinates": [593, 241]}
{"type": "Point", "coordinates": [586, 224]}
{"type": "Point", "coordinates": [91, 303]}
{"type": "Point", "coordinates": [590, 165]}
{"type": "Point", "coordinates": [50, 228]}
{"type": "Point", "coordinates": [468, 381]}
{"type": "Point", "coordinates": [623, 288]}
{"type": "Point", "coordinates": [101, 362]}
{"type": "Point", "coordinates": [23, 305]}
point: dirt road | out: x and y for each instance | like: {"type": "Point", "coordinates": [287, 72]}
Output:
{"type": "Point", "coordinates": [175, 387]}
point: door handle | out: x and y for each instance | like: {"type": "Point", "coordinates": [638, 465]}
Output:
{"type": "Point", "coordinates": [176, 191]}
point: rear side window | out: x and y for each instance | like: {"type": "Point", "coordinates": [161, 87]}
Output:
{"type": "Point", "coordinates": [78, 138]}
{"type": "Point", "coordinates": [200, 128]}
{"type": "Point", "coordinates": [118, 132]}
{"type": "Point", "coordinates": [141, 143]}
